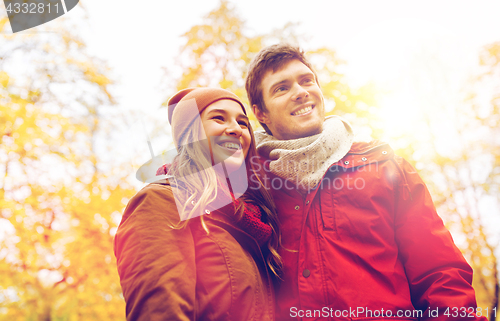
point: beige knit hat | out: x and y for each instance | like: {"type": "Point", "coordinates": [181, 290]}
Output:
{"type": "Point", "coordinates": [187, 104]}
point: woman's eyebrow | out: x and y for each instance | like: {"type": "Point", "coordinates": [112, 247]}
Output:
{"type": "Point", "coordinates": [223, 111]}
{"type": "Point", "coordinates": [243, 116]}
{"type": "Point", "coordinates": [218, 110]}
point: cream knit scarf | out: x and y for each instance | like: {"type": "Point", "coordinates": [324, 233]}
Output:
{"type": "Point", "coordinates": [304, 161]}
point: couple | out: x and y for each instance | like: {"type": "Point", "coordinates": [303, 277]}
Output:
{"type": "Point", "coordinates": [352, 233]}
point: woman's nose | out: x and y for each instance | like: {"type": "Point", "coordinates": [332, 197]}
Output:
{"type": "Point", "coordinates": [234, 129]}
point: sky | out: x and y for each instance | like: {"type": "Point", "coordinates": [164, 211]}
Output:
{"type": "Point", "coordinates": [372, 36]}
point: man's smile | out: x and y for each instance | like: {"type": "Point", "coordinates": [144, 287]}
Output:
{"type": "Point", "coordinates": [303, 110]}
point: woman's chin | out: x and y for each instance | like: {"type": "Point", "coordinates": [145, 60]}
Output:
{"type": "Point", "coordinates": [233, 164]}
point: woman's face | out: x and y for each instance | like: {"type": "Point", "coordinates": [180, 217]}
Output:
{"type": "Point", "coordinates": [226, 127]}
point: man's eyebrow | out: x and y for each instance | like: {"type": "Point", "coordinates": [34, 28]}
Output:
{"type": "Point", "coordinates": [278, 84]}
{"type": "Point", "coordinates": [306, 74]}
{"type": "Point", "coordinates": [309, 73]}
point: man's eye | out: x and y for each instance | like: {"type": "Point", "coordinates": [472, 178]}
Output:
{"type": "Point", "coordinates": [308, 80]}
{"type": "Point", "coordinates": [280, 89]}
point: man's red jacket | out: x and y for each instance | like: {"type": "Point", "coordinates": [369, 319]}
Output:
{"type": "Point", "coordinates": [368, 244]}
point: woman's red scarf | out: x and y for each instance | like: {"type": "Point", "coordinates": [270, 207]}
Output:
{"type": "Point", "coordinates": [250, 222]}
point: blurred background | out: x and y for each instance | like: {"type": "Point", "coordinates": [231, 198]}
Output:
{"type": "Point", "coordinates": [81, 96]}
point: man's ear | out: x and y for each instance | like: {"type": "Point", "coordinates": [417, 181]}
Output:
{"type": "Point", "coordinates": [259, 114]}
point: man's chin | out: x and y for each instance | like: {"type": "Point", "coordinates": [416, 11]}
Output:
{"type": "Point", "coordinates": [302, 132]}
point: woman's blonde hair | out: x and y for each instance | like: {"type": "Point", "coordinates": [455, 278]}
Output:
{"type": "Point", "coordinates": [202, 188]}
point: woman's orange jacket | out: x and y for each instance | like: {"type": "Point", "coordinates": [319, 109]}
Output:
{"type": "Point", "coordinates": [187, 274]}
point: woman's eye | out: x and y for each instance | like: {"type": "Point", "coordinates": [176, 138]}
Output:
{"type": "Point", "coordinates": [218, 118]}
{"type": "Point", "coordinates": [243, 123]}
{"type": "Point", "coordinates": [308, 80]}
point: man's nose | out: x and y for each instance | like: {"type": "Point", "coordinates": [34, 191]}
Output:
{"type": "Point", "coordinates": [299, 92]}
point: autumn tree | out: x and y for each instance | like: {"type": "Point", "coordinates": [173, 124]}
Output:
{"type": "Point", "coordinates": [60, 200]}
{"type": "Point", "coordinates": [485, 105]}
{"type": "Point", "coordinates": [453, 141]}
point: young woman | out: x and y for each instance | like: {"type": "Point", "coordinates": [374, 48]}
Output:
{"type": "Point", "coordinates": [201, 245]}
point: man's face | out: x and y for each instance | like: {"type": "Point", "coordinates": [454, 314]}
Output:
{"type": "Point", "coordinates": [295, 106]}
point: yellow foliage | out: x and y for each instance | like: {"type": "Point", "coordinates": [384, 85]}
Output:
{"type": "Point", "coordinates": [4, 79]}
{"type": "Point", "coordinates": [3, 21]}
{"type": "Point", "coordinates": [57, 260]}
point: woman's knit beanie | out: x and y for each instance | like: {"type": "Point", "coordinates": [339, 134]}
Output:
{"type": "Point", "coordinates": [187, 104]}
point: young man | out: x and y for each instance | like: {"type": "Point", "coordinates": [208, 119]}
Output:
{"type": "Point", "coordinates": [361, 236]}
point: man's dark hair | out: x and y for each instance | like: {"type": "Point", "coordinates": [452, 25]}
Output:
{"type": "Point", "coordinates": [273, 57]}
